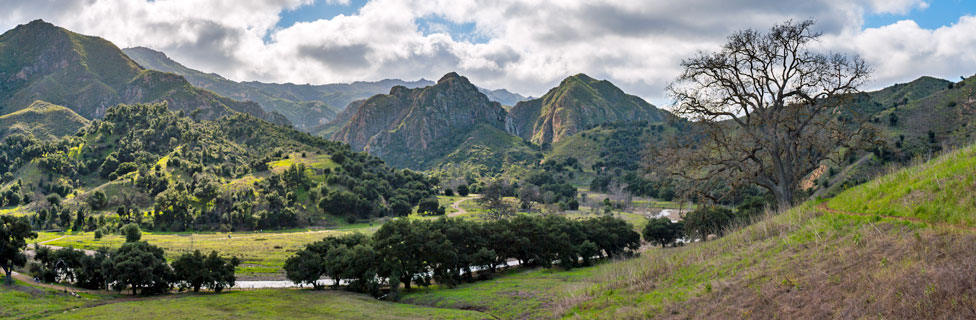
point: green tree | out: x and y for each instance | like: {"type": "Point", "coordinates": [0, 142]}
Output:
{"type": "Point", "coordinates": [196, 270]}
{"type": "Point", "coordinates": [708, 220]}
{"type": "Point", "coordinates": [662, 231]}
{"type": "Point", "coordinates": [79, 220]}
{"type": "Point", "coordinates": [190, 270]}
{"type": "Point", "coordinates": [93, 271]}
{"type": "Point", "coordinates": [400, 243]}
{"type": "Point", "coordinates": [14, 233]}
{"type": "Point", "coordinates": [305, 267]}
{"type": "Point", "coordinates": [98, 200]}
{"type": "Point", "coordinates": [221, 271]}
{"type": "Point", "coordinates": [131, 232]}
{"type": "Point", "coordinates": [141, 267]}
{"type": "Point", "coordinates": [399, 207]}
{"type": "Point", "coordinates": [462, 190]}
{"type": "Point", "coordinates": [430, 206]}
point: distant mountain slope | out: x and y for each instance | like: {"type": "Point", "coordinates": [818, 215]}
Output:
{"type": "Point", "coordinates": [307, 106]}
{"type": "Point", "coordinates": [503, 96]}
{"type": "Point", "coordinates": [89, 74]}
{"type": "Point", "coordinates": [301, 113]}
{"type": "Point", "coordinates": [916, 119]}
{"type": "Point", "coordinates": [578, 103]}
{"type": "Point", "coordinates": [340, 120]}
{"type": "Point", "coordinates": [338, 95]}
{"type": "Point", "coordinates": [43, 120]}
{"type": "Point", "coordinates": [411, 127]}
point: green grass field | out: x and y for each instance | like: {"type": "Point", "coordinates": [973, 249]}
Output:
{"type": "Point", "coordinates": [267, 304]}
{"type": "Point", "coordinates": [24, 301]}
{"type": "Point", "coordinates": [513, 294]}
{"type": "Point", "coordinates": [263, 253]}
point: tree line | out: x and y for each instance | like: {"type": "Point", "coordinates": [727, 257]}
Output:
{"type": "Point", "coordinates": [136, 265]}
{"type": "Point", "coordinates": [450, 251]}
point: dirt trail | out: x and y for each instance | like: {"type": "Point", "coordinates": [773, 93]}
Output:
{"type": "Point", "coordinates": [824, 208]}
{"type": "Point", "coordinates": [27, 279]}
{"type": "Point", "coordinates": [43, 244]}
{"type": "Point", "coordinates": [457, 206]}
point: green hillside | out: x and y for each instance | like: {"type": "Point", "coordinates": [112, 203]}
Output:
{"type": "Point", "coordinates": [849, 257]}
{"type": "Point", "coordinates": [43, 120]}
{"type": "Point", "coordinates": [939, 191]}
{"type": "Point", "coordinates": [915, 119]}
{"type": "Point", "coordinates": [40, 61]}
{"type": "Point", "coordinates": [487, 151]}
{"type": "Point", "coordinates": [578, 103]}
{"type": "Point", "coordinates": [145, 164]}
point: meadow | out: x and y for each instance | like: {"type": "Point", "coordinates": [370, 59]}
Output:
{"type": "Point", "coordinates": [262, 253]}
{"type": "Point", "coordinates": [25, 301]}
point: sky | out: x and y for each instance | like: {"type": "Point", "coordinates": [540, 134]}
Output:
{"type": "Point", "coordinates": [525, 46]}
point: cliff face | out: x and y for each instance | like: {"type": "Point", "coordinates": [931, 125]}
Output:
{"type": "Point", "coordinates": [409, 127]}
{"type": "Point", "coordinates": [40, 61]}
{"type": "Point", "coordinates": [578, 103]}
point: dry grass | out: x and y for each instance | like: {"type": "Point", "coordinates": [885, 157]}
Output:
{"type": "Point", "coordinates": [799, 264]}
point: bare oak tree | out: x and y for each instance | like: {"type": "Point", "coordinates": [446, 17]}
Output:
{"type": "Point", "coordinates": [768, 107]}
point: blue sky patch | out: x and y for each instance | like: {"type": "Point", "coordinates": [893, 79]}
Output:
{"type": "Point", "coordinates": [939, 13]}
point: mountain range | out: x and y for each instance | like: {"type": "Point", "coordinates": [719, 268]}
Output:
{"type": "Point", "coordinates": [417, 128]}
{"type": "Point", "coordinates": [39, 61]}
{"type": "Point", "coordinates": [306, 106]}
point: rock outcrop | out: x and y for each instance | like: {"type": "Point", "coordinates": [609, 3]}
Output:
{"type": "Point", "coordinates": [409, 127]}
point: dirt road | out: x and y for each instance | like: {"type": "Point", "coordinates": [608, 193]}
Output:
{"type": "Point", "coordinates": [457, 206]}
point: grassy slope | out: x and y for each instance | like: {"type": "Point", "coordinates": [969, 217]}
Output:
{"type": "Point", "coordinates": [803, 263]}
{"type": "Point", "coordinates": [486, 150]}
{"type": "Point", "coordinates": [941, 190]}
{"type": "Point", "coordinates": [43, 120]}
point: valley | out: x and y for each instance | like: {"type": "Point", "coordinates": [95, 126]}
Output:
{"type": "Point", "coordinates": [772, 186]}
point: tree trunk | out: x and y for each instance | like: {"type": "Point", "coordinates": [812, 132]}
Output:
{"type": "Point", "coordinates": [784, 198]}
{"type": "Point", "coordinates": [10, 277]}
{"type": "Point", "coordinates": [406, 283]}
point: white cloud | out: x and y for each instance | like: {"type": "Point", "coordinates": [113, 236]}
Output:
{"type": "Point", "coordinates": [531, 46]}
{"type": "Point", "coordinates": [903, 51]}
{"type": "Point", "coordinates": [897, 6]}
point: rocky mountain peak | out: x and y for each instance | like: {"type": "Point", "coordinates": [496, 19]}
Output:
{"type": "Point", "coordinates": [450, 76]}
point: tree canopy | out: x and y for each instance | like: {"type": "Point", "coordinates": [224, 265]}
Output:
{"type": "Point", "coordinates": [14, 233]}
